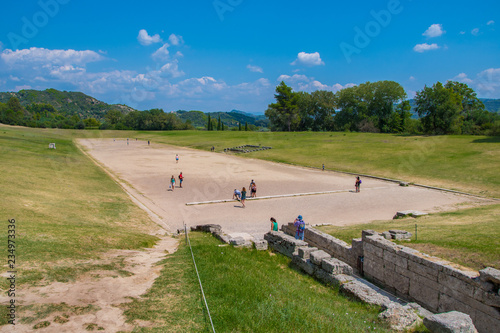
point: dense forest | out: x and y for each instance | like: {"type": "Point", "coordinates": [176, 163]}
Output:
{"type": "Point", "coordinates": [383, 107]}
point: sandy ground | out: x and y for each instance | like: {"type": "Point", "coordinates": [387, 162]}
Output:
{"type": "Point", "coordinates": [104, 290]}
{"type": "Point", "coordinates": [146, 170]}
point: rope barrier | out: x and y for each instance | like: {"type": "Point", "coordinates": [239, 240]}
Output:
{"type": "Point", "coordinates": [201, 287]}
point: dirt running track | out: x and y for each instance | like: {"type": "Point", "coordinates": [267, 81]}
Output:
{"type": "Point", "coordinates": [146, 171]}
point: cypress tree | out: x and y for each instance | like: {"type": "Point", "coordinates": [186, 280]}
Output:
{"type": "Point", "coordinates": [246, 126]}
{"type": "Point", "coordinates": [239, 126]}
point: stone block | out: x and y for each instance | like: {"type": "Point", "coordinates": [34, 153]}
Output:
{"type": "Point", "coordinates": [448, 303]}
{"type": "Point", "coordinates": [404, 272]}
{"type": "Point", "coordinates": [491, 275]}
{"type": "Point", "coordinates": [487, 310]}
{"type": "Point", "coordinates": [453, 322]}
{"type": "Point", "coordinates": [324, 277]}
{"type": "Point", "coordinates": [237, 241]}
{"type": "Point", "coordinates": [343, 278]}
{"type": "Point", "coordinates": [366, 233]}
{"type": "Point", "coordinates": [385, 244]}
{"type": "Point", "coordinates": [396, 259]}
{"type": "Point", "coordinates": [422, 312]}
{"type": "Point", "coordinates": [409, 253]}
{"type": "Point", "coordinates": [401, 284]}
{"type": "Point", "coordinates": [489, 298]}
{"type": "Point", "coordinates": [486, 324]}
{"type": "Point", "coordinates": [423, 270]}
{"type": "Point", "coordinates": [387, 235]}
{"type": "Point", "coordinates": [261, 244]}
{"type": "Point", "coordinates": [467, 276]}
{"type": "Point", "coordinates": [357, 247]}
{"type": "Point", "coordinates": [305, 252]}
{"type": "Point", "coordinates": [424, 294]}
{"type": "Point", "coordinates": [451, 282]}
{"type": "Point", "coordinates": [318, 256]}
{"type": "Point", "coordinates": [373, 250]}
{"type": "Point", "coordinates": [304, 264]}
{"type": "Point", "coordinates": [364, 293]}
{"type": "Point", "coordinates": [335, 266]}
{"type": "Point", "coordinates": [375, 268]}
{"type": "Point", "coordinates": [400, 318]}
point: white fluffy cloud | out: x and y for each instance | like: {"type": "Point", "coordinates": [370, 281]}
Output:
{"type": "Point", "coordinates": [420, 48]}
{"type": "Point", "coordinates": [145, 39]}
{"type": "Point", "coordinates": [303, 83]}
{"type": "Point", "coordinates": [255, 69]}
{"type": "Point", "coordinates": [175, 39]}
{"type": "Point", "coordinates": [486, 83]}
{"type": "Point", "coordinates": [435, 30]}
{"type": "Point", "coordinates": [171, 69]}
{"type": "Point", "coordinates": [39, 56]}
{"type": "Point", "coordinates": [490, 22]}
{"type": "Point", "coordinates": [308, 59]}
{"type": "Point", "coordinates": [475, 31]}
{"type": "Point", "coordinates": [162, 53]}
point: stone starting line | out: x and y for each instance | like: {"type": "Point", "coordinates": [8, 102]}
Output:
{"type": "Point", "coordinates": [277, 196]}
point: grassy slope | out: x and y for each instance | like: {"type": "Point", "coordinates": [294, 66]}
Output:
{"type": "Point", "coordinates": [468, 237]}
{"type": "Point", "coordinates": [247, 291]}
{"type": "Point", "coordinates": [66, 208]}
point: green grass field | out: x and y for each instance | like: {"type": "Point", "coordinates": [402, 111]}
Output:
{"type": "Point", "coordinates": [66, 208]}
{"type": "Point", "coordinates": [246, 291]}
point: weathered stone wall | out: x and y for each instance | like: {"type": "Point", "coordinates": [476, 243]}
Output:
{"type": "Point", "coordinates": [335, 247]}
{"type": "Point", "coordinates": [283, 243]}
{"type": "Point", "coordinates": [432, 282]}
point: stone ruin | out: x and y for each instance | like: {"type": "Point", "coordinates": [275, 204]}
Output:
{"type": "Point", "coordinates": [434, 284]}
{"type": "Point", "coordinates": [406, 284]}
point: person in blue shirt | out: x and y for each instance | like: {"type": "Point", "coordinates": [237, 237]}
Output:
{"type": "Point", "coordinates": [301, 227]}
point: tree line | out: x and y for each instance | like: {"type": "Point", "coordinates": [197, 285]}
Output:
{"type": "Point", "coordinates": [46, 116]}
{"type": "Point", "coordinates": [383, 107]}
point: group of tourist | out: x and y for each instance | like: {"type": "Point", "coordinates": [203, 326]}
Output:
{"type": "Point", "coordinates": [299, 224]}
{"type": "Point", "coordinates": [242, 195]}
{"type": "Point", "coordinates": [171, 186]}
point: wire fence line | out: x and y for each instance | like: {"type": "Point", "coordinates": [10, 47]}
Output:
{"type": "Point", "coordinates": [199, 280]}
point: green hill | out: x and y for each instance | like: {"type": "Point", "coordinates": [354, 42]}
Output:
{"type": "Point", "coordinates": [231, 119]}
{"type": "Point", "coordinates": [66, 103]}
{"type": "Point", "coordinates": [492, 105]}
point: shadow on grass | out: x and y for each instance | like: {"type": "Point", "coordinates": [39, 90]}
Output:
{"type": "Point", "coordinates": [493, 139]}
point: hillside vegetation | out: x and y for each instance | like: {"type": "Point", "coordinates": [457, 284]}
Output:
{"type": "Point", "coordinates": [66, 103]}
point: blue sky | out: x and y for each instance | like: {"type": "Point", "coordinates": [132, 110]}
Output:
{"type": "Point", "coordinates": [219, 55]}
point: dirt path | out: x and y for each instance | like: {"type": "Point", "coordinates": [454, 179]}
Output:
{"type": "Point", "coordinates": [103, 290]}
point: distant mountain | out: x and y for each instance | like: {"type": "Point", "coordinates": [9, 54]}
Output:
{"type": "Point", "coordinates": [491, 105]}
{"type": "Point", "coordinates": [199, 119]}
{"type": "Point", "coordinates": [66, 103]}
